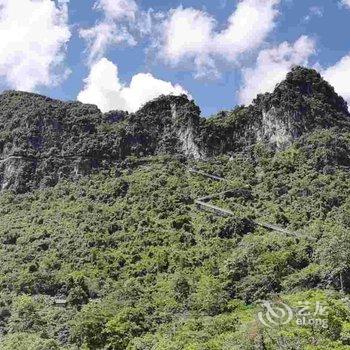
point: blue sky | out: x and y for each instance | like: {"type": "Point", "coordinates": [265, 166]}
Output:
{"type": "Point", "coordinates": [163, 45]}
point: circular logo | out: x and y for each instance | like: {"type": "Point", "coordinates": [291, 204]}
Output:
{"type": "Point", "coordinates": [275, 314]}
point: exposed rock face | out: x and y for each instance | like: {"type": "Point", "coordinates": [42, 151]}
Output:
{"type": "Point", "coordinates": [37, 137]}
{"type": "Point", "coordinates": [188, 144]}
{"type": "Point", "coordinates": [44, 140]}
{"type": "Point", "coordinates": [169, 125]}
{"type": "Point", "coordinates": [188, 134]}
{"type": "Point", "coordinates": [301, 104]}
{"type": "Point", "coordinates": [278, 129]}
{"type": "Point", "coordinates": [12, 170]}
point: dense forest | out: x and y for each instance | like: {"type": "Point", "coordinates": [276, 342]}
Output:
{"type": "Point", "coordinates": [121, 257]}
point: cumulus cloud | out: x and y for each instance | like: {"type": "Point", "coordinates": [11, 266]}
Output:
{"type": "Point", "coordinates": [103, 88]}
{"type": "Point", "coordinates": [190, 36]}
{"type": "Point", "coordinates": [272, 65]}
{"type": "Point", "coordinates": [33, 36]}
{"type": "Point", "coordinates": [338, 76]}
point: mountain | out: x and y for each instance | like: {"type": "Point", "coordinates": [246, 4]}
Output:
{"type": "Point", "coordinates": [44, 140]}
{"type": "Point", "coordinates": [301, 104]}
{"type": "Point", "coordinates": [105, 243]}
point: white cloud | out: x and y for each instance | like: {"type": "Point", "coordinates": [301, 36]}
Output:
{"type": "Point", "coordinates": [113, 29]}
{"type": "Point", "coordinates": [314, 11]}
{"type": "Point", "coordinates": [345, 3]}
{"type": "Point", "coordinates": [118, 9]}
{"type": "Point", "coordinates": [272, 66]}
{"type": "Point", "coordinates": [33, 36]}
{"type": "Point", "coordinates": [338, 76]}
{"type": "Point", "coordinates": [247, 27]}
{"type": "Point", "coordinates": [102, 35]}
{"type": "Point", "coordinates": [103, 88]}
{"type": "Point", "coordinates": [145, 87]}
{"type": "Point", "coordinates": [187, 33]}
{"type": "Point", "coordinates": [190, 36]}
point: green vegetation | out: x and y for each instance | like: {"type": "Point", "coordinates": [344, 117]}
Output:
{"type": "Point", "coordinates": [103, 247]}
{"type": "Point", "coordinates": [139, 267]}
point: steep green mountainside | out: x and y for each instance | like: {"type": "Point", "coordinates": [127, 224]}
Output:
{"type": "Point", "coordinates": [43, 141]}
{"type": "Point", "coordinates": [138, 266]}
{"type": "Point", "coordinates": [104, 244]}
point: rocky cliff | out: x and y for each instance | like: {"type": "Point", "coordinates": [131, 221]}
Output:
{"type": "Point", "coordinates": [44, 140]}
{"type": "Point", "coordinates": [301, 104]}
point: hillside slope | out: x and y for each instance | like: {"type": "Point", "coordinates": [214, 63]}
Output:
{"type": "Point", "coordinates": [122, 258]}
{"type": "Point", "coordinates": [139, 267]}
